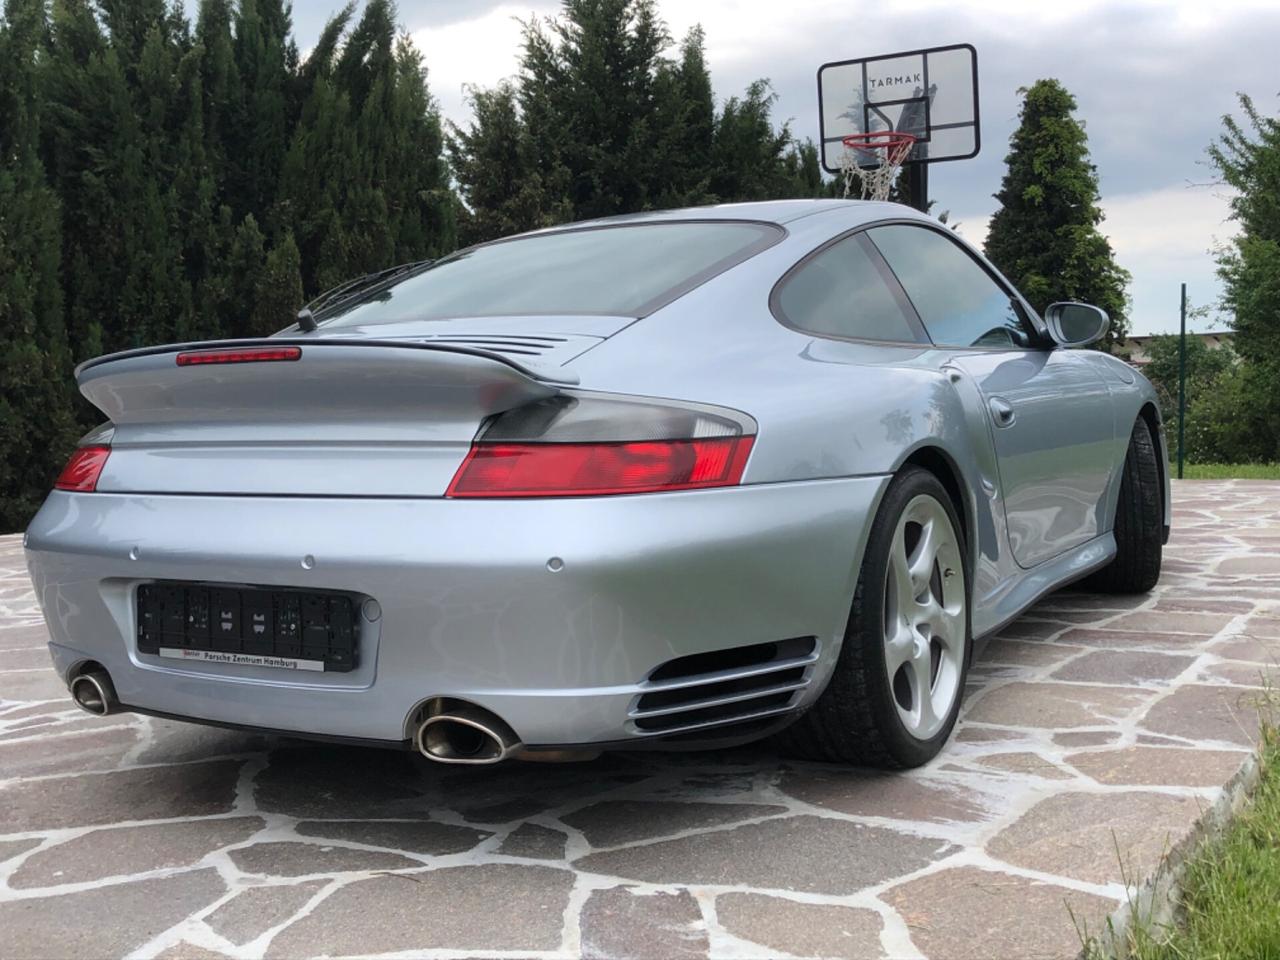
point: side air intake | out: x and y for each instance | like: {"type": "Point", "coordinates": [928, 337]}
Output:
{"type": "Point", "coordinates": [726, 686]}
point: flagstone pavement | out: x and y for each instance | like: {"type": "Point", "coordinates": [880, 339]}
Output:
{"type": "Point", "coordinates": [1097, 733]}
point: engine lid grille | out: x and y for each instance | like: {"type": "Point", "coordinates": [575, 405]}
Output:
{"type": "Point", "coordinates": [547, 349]}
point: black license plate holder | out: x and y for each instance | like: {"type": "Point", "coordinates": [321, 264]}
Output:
{"type": "Point", "coordinates": [281, 627]}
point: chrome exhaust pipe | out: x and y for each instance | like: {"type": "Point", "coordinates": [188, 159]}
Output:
{"type": "Point", "coordinates": [94, 693]}
{"type": "Point", "coordinates": [465, 733]}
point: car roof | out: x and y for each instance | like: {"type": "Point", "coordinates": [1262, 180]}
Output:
{"type": "Point", "coordinates": [768, 211]}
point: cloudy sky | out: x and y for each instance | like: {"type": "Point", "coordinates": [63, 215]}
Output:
{"type": "Point", "coordinates": [1152, 80]}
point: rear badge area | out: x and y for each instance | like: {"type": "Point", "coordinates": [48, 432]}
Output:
{"type": "Point", "coordinates": [248, 626]}
{"type": "Point", "coordinates": [240, 659]}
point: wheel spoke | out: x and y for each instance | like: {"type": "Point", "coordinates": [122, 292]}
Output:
{"type": "Point", "coordinates": [949, 625]}
{"type": "Point", "coordinates": [921, 561]}
{"type": "Point", "coordinates": [921, 668]}
{"type": "Point", "coordinates": [900, 570]}
{"type": "Point", "coordinates": [898, 648]}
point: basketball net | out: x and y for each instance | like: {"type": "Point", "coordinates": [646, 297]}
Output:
{"type": "Point", "coordinates": [874, 182]}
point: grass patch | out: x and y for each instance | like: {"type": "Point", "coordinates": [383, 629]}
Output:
{"type": "Point", "coordinates": [1229, 908]}
{"type": "Point", "coordinates": [1228, 471]}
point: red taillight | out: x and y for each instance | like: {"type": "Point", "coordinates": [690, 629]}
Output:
{"type": "Point", "coordinates": [239, 355]}
{"type": "Point", "coordinates": [599, 469]}
{"type": "Point", "coordinates": [83, 469]}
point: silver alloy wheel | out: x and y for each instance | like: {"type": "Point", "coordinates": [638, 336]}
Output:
{"type": "Point", "coordinates": [924, 617]}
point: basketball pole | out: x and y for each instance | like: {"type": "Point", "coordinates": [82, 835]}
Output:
{"type": "Point", "coordinates": [1182, 383]}
{"type": "Point", "coordinates": [918, 186]}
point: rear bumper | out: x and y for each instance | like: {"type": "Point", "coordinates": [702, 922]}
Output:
{"type": "Point", "coordinates": [469, 604]}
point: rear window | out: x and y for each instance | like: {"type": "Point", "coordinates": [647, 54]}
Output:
{"type": "Point", "coordinates": [626, 270]}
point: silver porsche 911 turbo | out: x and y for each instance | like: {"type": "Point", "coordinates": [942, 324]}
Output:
{"type": "Point", "coordinates": [675, 479]}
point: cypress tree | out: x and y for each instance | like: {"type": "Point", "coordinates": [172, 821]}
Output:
{"type": "Point", "coordinates": [320, 162]}
{"type": "Point", "coordinates": [1044, 237]}
{"type": "Point", "coordinates": [419, 183]}
{"type": "Point", "coordinates": [83, 147]}
{"type": "Point", "coordinates": [257, 140]}
{"type": "Point", "coordinates": [684, 121]}
{"type": "Point", "coordinates": [364, 182]}
{"type": "Point", "coordinates": [128, 23]}
{"type": "Point", "coordinates": [195, 195]}
{"type": "Point", "coordinates": [803, 172]}
{"type": "Point", "coordinates": [587, 94]}
{"type": "Point", "coordinates": [36, 427]}
{"type": "Point", "coordinates": [279, 290]}
{"type": "Point", "coordinates": [156, 287]}
{"type": "Point", "coordinates": [243, 262]}
{"type": "Point", "coordinates": [497, 171]}
{"type": "Point", "coordinates": [220, 87]}
{"type": "Point", "coordinates": [366, 76]}
{"type": "Point", "coordinates": [693, 81]}
{"type": "Point", "coordinates": [748, 156]}
{"type": "Point", "coordinates": [614, 127]}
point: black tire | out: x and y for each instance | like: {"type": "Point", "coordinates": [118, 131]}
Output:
{"type": "Point", "coordinates": [855, 719]}
{"type": "Point", "coordinates": [1139, 526]}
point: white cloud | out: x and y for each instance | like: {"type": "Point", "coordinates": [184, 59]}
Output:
{"type": "Point", "coordinates": [1165, 238]}
{"type": "Point", "coordinates": [1174, 224]}
{"type": "Point", "coordinates": [478, 52]}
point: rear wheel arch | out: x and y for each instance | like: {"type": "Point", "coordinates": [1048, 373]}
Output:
{"type": "Point", "coordinates": [1151, 414]}
{"type": "Point", "coordinates": [939, 463]}
{"type": "Point", "coordinates": [1138, 525]}
{"type": "Point", "coordinates": [858, 717]}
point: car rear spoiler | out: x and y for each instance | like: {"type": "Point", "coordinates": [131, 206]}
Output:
{"type": "Point", "coordinates": [549, 374]}
{"type": "Point", "coordinates": [354, 388]}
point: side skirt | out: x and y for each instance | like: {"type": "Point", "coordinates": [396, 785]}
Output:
{"type": "Point", "coordinates": [1023, 591]}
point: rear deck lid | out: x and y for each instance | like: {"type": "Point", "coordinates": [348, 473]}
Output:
{"type": "Point", "coordinates": [336, 417]}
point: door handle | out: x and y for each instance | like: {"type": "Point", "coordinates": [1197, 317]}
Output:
{"type": "Point", "coordinates": [1001, 411]}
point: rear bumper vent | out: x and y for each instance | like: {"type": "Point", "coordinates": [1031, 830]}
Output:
{"type": "Point", "coordinates": [726, 686]}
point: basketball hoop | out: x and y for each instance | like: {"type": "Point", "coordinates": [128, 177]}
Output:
{"type": "Point", "coordinates": [889, 146]}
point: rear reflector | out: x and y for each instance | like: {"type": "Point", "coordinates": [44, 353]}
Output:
{"type": "Point", "coordinates": [599, 469]}
{"type": "Point", "coordinates": [83, 469]}
{"type": "Point", "coordinates": [239, 355]}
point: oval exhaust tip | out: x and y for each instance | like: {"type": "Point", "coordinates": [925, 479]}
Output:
{"type": "Point", "coordinates": [459, 740]}
{"type": "Point", "coordinates": [93, 693]}
{"type": "Point", "coordinates": [464, 733]}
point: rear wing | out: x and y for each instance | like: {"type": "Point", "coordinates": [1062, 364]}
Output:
{"type": "Point", "coordinates": [551, 374]}
{"type": "Point", "coordinates": [331, 381]}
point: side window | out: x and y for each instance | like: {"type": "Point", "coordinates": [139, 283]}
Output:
{"type": "Point", "coordinates": [959, 303]}
{"type": "Point", "coordinates": [841, 293]}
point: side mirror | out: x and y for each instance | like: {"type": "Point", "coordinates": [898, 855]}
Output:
{"type": "Point", "coordinates": [1076, 324]}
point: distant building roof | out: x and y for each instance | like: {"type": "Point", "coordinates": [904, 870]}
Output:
{"type": "Point", "coordinates": [1190, 333]}
{"type": "Point", "coordinates": [1135, 346]}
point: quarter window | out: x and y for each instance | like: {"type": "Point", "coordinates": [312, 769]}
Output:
{"type": "Point", "coordinates": [958, 301]}
{"type": "Point", "coordinates": [840, 292]}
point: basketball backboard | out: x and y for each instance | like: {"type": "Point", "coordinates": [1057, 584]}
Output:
{"type": "Point", "coordinates": [931, 94]}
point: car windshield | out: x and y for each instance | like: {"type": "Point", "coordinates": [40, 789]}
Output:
{"type": "Point", "coordinates": [627, 270]}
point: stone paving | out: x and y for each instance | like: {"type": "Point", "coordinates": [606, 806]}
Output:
{"type": "Point", "coordinates": [1098, 730]}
